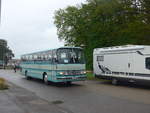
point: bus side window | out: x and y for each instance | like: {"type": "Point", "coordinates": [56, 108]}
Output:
{"type": "Point", "coordinates": [46, 57]}
{"type": "Point", "coordinates": [35, 57]}
{"type": "Point", "coordinates": [32, 57]}
{"type": "Point", "coordinates": [54, 57]}
{"type": "Point", "coordinates": [49, 58]}
{"type": "Point", "coordinates": [39, 57]}
{"type": "Point", "coordinates": [24, 58]}
{"type": "Point", "coordinates": [43, 57]}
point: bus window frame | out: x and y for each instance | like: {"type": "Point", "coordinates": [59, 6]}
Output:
{"type": "Point", "coordinates": [70, 62]}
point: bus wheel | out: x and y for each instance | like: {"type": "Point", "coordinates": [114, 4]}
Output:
{"type": "Point", "coordinates": [45, 78]}
{"type": "Point", "coordinates": [114, 81]}
{"type": "Point", "coordinates": [26, 75]}
{"type": "Point", "coordinates": [68, 83]}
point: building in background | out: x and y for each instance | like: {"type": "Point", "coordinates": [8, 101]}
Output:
{"type": "Point", "coordinates": [13, 62]}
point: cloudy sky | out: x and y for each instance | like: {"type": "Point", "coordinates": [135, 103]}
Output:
{"type": "Point", "coordinates": [28, 26]}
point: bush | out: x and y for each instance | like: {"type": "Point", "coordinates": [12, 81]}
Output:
{"type": "Point", "coordinates": [3, 84]}
{"type": "Point", "coordinates": [90, 76]}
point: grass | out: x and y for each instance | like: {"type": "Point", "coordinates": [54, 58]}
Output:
{"type": "Point", "coordinates": [90, 76]}
{"type": "Point", "coordinates": [3, 84]}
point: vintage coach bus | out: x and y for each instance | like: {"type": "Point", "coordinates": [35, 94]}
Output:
{"type": "Point", "coordinates": [65, 64]}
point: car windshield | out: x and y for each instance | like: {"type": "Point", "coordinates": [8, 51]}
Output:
{"type": "Point", "coordinates": [70, 55]}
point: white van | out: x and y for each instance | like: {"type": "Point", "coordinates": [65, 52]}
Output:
{"type": "Point", "coordinates": [129, 62]}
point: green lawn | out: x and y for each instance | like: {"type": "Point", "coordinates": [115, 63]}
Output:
{"type": "Point", "coordinates": [90, 76]}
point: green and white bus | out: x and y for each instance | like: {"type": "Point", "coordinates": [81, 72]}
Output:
{"type": "Point", "coordinates": [65, 64]}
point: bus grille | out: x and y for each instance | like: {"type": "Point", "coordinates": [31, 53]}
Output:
{"type": "Point", "coordinates": [73, 72]}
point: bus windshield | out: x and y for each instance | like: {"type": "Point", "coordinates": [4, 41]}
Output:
{"type": "Point", "coordinates": [70, 55]}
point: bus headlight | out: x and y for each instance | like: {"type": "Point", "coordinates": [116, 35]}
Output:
{"type": "Point", "coordinates": [83, 72]}
{"type": "Point", "coordinates": [61, 73]}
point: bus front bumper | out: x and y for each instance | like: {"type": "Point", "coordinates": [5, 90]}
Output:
{"type": "Point", "coordinates": [76, 78]}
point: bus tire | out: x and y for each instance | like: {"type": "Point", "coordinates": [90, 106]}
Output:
{"type": "Point", "coordinates": [68, 83]}
{"type": "Point", "coordinates": [114, 81]}
{"type": "Point", "coordinates": [45, 78]}
{"type": "Point", "coordinates": [26, 75]}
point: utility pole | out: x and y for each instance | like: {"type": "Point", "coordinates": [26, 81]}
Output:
{"type": "Point", "coordinates": [0, 10]}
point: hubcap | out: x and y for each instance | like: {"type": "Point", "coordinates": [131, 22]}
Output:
{"type": "Point", "coordinates": [114, 81]}
{"type": "Point", "coordinates": [45, 78]}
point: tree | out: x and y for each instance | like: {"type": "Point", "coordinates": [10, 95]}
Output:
{"type": "Point", "coordinates": [103, 23]}
{"type": "Point", "coordinates": [5, 53]}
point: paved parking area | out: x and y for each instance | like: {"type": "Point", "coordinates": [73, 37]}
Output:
{"type": "Point", "coordinates": [88, 96]}
{"type": "Point", "coordinates": [20, 100]}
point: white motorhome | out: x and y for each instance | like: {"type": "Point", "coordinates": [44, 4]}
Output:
{"type": "Point", "coordinates": [129, 62]}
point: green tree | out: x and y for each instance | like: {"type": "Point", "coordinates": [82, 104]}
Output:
{"type": "Point", "coordinates": [5, 53]}
{"type": "Point", "coordinates": [101, 23]}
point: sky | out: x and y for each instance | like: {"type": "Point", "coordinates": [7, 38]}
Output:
{"type": "Point", "coordinates": [28, 25]}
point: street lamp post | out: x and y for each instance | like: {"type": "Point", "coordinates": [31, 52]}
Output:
{"type": "Point", "coordinates": [0, 9]}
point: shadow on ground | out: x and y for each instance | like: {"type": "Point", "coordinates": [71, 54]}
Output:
{"type": "Point", "coordinates": [59, 85]}
{"type": "Point", "coordinates": [128, 84]}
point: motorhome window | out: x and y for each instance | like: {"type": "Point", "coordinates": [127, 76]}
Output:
{"type": "Point", "coordinates": [147, 63]}
{"type": "Point", "coordinates": [100, 58]}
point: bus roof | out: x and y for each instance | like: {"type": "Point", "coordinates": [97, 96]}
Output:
{"type": "Point", "coordinates": [65, 47]}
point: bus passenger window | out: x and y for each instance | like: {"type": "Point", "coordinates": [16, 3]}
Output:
{"type": "Point", "coordinates": [39, 58]}
{"type": "Point", "coordinates": [147, 62]}
{"type": "Point", "coordinates": [32, 57]}
{"type": "Point", "coordinates": [28, 57]}
{"type": "Point", "coordinates": [35, 57]}
{"type": "Point", "coordinates": [44, 57]}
